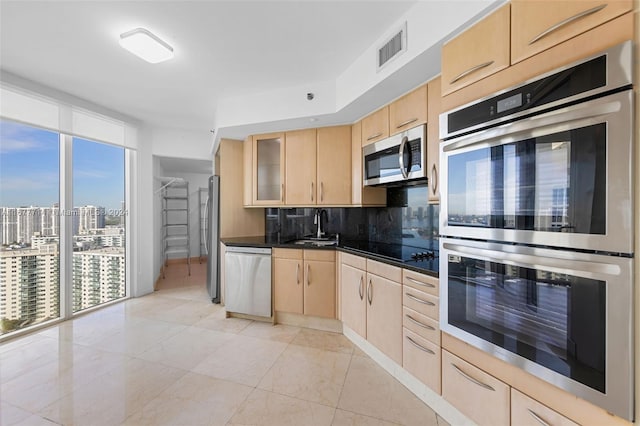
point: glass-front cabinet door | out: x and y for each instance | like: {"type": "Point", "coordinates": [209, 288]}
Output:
{"type": "Point", "coordinates": [268, 166]}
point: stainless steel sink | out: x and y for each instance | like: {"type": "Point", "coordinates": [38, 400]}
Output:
{"type": "Point", "coordinates": [316, 242]}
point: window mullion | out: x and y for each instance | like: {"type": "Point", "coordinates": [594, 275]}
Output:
{"type": "Point", "coordinates": [66, 226]}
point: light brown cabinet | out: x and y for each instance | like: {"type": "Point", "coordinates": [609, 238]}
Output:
{"type": "Point", "coordinates": [478, 395]}
{"type": "Point", "coordinates": [333, 166]}
{"type": "Point", "coordinates": [305, 282]}
{"type": "Point", "coordinates": [268, 169]}
{"type": "Point", "coordinates": [433, 138]}
{"type": "Point", "coordinates": [352, 297]}
{"type": "Point", "coordinates": [539, 25]}
{"type": "Point", "coordinates": [247, 172]}
{"type": "Point", "coordinates": [375, 126]}
{"type": "Point", "coordinates": [300, 167]}
{"type": "Point", "coordinates": [527, 411]}
{"type": "Point", "coordinates": [481, 50]}
{"type": "Point", "coordinates": [421, 358]}
{"type": "Point", "coordinates": [384, 309]}
{"type": "Point", "coordinates": [408, 111]}
{"type": "Point", "coordinates": [362, 195]}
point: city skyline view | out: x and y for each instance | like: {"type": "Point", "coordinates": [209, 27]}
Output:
{"type": "Point", "coordinates": [30, 171]}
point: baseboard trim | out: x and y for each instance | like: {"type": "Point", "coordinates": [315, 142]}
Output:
{"type": "Point", "coordinates": [445, 410]}
{"type": "Point", "coordinates": [316, 323]}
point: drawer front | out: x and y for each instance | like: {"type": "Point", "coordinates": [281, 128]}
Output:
{"type": "Point", "coordinates": [383, 270]}
{"type": "Point", "coordinates": [324, 255]}
{"type": "Point", "coordinates": [421, 302]}
{"type": "Point", "coordinates": [478, 395]}
{"type": "Point", "coordinates": [353, 260]}
{"type": "Point", "coordinates": [527, 411]}
{"type": "Point", "coordinates": [421, 358]}
{"type": "Point", "coordinates": [422, 325]}
{"type": "Point", "coordinates": [421, 282]}
{"type": "Point", "coordinates": [287, 253]}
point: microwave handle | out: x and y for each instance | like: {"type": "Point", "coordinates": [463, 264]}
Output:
{"type": "Point", "coordinates": [403, 168]}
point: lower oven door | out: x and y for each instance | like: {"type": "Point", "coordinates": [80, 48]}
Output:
{"type": "Point", "coordinates": [563, 316]}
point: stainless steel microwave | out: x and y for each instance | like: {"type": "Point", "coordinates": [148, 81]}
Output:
{"type": "Point", "coordinates": [396, 159]}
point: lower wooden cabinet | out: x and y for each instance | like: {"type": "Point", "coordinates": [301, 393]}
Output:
{"type": "Point", "coordinates": [352, 298]}
{"type": "Point", "coordinates": [478, 395]}
{"type": "Point", "coordinates": [384, 315]}
{"type": "Point", "coordinates": [305, 282]}
{"type": "Point", "coordinates": [526, 411]}
{"type": "Point", "coordinates": [421, 358]}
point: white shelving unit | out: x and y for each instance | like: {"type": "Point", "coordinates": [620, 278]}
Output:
{"type": "Point", "coordinates": [175, 222]}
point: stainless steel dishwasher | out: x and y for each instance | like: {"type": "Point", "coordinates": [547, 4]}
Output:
{"type": "Point", "coordinates": [248, 280]}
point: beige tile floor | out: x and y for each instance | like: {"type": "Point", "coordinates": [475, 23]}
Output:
{"type": "Point", "coordinates": [172, 358]}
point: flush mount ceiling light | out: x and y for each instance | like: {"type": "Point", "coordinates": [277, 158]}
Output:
{"type": "Point", "coordinates": [146, 45]}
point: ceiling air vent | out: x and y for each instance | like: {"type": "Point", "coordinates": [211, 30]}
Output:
{"type": "Point", "coordinates": [393, 47]}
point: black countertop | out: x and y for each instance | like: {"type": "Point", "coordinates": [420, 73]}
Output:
{"type": "Point", "coordinates": [393, 254]}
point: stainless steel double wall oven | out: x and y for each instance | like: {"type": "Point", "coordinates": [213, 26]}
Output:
{"type": "Point", "coordinates": [536, 254]}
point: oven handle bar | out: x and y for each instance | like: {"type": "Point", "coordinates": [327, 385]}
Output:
{"type": "Point", "coordinates": [554, 264]}
{"type": "Point", "coordinates": [559, 120]}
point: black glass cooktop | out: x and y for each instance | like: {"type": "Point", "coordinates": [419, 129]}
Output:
{"type": "Point", "coordinates": [410, 255]}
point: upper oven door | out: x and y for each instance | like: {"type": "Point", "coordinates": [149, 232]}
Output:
{"type": "Point", "coordinates": [397, 158]}
{"type": "Point", "coordinates": [560, 179]}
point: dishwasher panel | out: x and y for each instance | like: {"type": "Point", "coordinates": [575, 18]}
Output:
{"type": "Point", "coordinates": [248, 280]}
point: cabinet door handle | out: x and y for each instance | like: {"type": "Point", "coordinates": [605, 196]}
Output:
{"type": "Point", "coordinates": [370, 292]}
{"type": "Point", "coordinates": [321, 192]}
{"type": "Point", "coordinates": [417, 299]}
{"type": "Point", "coordinates": [404, 123]}
{"type": "Point", "coordinates": [471, 379]}
{"type": "Point", "coordinates": [434, 179]}
{"type": "Point", "coordinates": [419, 346]}
{"type": "Point", "coordinates": [282, 193]}
{"type": "Point", "coordinates": [537, 417]}
{"type": "Point", "coordinates": [308, 275]}
{"type": "Point", "coordinates": [311, 191]}
{"type": "Point", "coordinates": [471, 70]}
{"type": "Point", "coordinates": [567, 21]}
{"type": "Point", "coordinates": [421, 283]}
{"type": "Point", "coordinates": [298, 273]}
{"type": "Point", "coordinates": [361, 287]}
{"type": "Point", "coordinates": [419, 323]}
{"type": "Point", "coordinates": [377, 135]}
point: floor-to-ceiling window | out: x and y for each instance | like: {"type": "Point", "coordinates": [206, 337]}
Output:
{"type": "Point", "coordinates": [32, 224]}
{"type": "Point", "coordinates": [99, 227]}
{"type": "Point", "coordinates": [29, 226]}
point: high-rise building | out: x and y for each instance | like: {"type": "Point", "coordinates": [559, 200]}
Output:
{"type": "Point", "coordinates": [29, 283]}
{"type": "Point", "coordinates": [98, 276]}
{"type": "Point", "coordinates": [90, 217]}
{"type": "Point", "coordinates": [49, 221]}
{"type": "Point", "coordinates": [8, 225]}
{"type": "Point", "coordinates": [29, 221]}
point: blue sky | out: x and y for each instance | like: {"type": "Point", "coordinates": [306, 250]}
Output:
{"type": "Point", "coordinates": [29, 169]}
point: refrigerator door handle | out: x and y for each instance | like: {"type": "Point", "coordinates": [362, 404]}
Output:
{"type": "Point", "coordinates": [205, 231]}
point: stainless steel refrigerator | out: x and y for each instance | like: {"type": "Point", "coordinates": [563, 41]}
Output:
{"type": "Point", "coordinates": [212, 238]}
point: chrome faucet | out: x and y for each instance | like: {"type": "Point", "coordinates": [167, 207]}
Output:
{"type": "Point", "coordinates": [317, 220]}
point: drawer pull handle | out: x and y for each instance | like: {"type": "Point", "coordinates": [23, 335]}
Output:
{"type": "Point", "coordinates": [404, 123]}
{"type": "Point", "coordinates": [418, 323]}
{"type": "Point", "coordinates": [361, 288]}
{"type": "Point", "coordinates": [421, 283]}
{"type": "Point", "coordinates": [377, 135]}
{"type": "Point", "coordinates": [469, 71]}
{"type": "Point", "coordinates": [567, 21]}
{"type": "Point", "coordinates": [471, 379]}
{"type": "Point", "coordinates": [424, 302]}
{"type": "Point", "coordinates": [538, 418]}
{"type": "Point", "coordinates": [419, 346]}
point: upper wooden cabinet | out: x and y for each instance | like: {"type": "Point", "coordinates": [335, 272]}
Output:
{"type": "Point", "coordinates": [268, 169]}
{"type": "Point", "coordinates": [333, 166]}
{"type": "Point", "coordinates": [300, 167]}
{"type": "Point", "coordinates": [478, 52]}
{"type": "Point", "coordinates": [375, 126]}
{"type": "Point", "coordinates": [362, 195]}
{"type": "Point", "coordinates": [541, 24]}
{"type": "Point", "coordinates": [408, 111]}
{"type": "Point", "coordinates": [433, 139]}
{"type": "Point", "coordinates": [247, 170]}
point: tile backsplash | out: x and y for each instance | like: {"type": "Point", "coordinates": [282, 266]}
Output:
{"type": "Point", "coordinates": [408, 219]}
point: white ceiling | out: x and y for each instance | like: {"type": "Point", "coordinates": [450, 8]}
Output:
{"type": "Point", "coordinates": [222, 49]}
